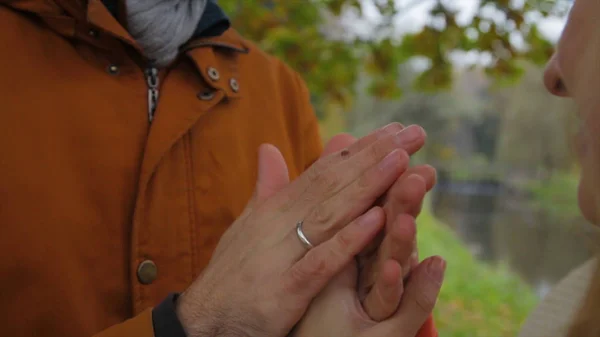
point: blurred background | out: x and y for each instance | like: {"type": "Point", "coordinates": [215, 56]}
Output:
{"type": "Point", "coordinates": [504, 212]}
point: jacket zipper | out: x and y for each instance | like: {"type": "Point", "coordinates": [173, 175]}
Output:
{"type": "Point", "coordinates": [152, 81]}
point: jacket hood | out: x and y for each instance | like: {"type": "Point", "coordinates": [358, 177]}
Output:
{"type": "Point", "coordinates": [75, 18]}
{"type": "Point", "coordinates": [68, 17]}
{"type": "Point", "coordinates": [75, 9]}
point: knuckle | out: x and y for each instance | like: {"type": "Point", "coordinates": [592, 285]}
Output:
{"type": "Point", "coordinates": [344, 244]}
{"type": "Point", "coordinates": [374, 151]}
{"type": "Point", "coordinates": [424, 302]}
{"type": "Point", "coordinates": [314, 173]}
{"type": "Point", "coordinates": [365, 180]}
{"type": "Point", "coordinates": [326, 182]}
{"type": "Point", "coordinates": [330, 183]}
{"type": "Point", "coordinates": [312, 266]}
{"type": "Point", "coordinates": [386, 302]}
{"type": "Point", "coordinates": [404, 159]}
{"type": "Point", "coordinates": [395, 127]}
{"type": "Point", "coordinates": [322, 215]}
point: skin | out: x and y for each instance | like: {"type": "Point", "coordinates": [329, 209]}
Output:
{"type": "Point", "coordinates": [335, 198]}
{"type": "Point", "coordinates": [337, 310]}
{"type": "Point", "coordinates": [573, 72]}
{"type": "Point", "coordinates": [376, 297]}
{"type": "Point", "coordinates": [389, 259]}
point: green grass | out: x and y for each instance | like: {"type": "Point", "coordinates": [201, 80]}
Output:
{"type": "Point", "coordinates": [477, 300]}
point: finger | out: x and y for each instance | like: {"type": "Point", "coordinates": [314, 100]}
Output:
{"type": "Point", "coordinates": [338, 143]}
{"type": "Point", "coordinates": [343, 173]}
{"type": "Point", "coordinates": [317, 200]}
{"type": "Point", "coordinates": [384, 298]}
{"type": "Point", "coordinates": [343, 141]}
{"type": "Point", "coordinates": [332, 214]}
{"type": "Point", "coordinates": [307, 277]}
{"type": "Point", "coordinates": [323, 179]}
{"type": "Point", "coordinates": [427, 172]}
{"type": "Point", "coordinates": [272, 173]}
{"type": "Point", "coordinates": [411, 202]}
{"type": "Point", "coordinates": [272, 177]}
{"type": "Point", "coordinates": [419, 298]}
{"type": "Point", "coordinates": [327, 176]}
{"type": "Point", "coordinates": [398, 245]}
{"type": "Point", "coordinates": [405, 196]}
{"type": "Point", "coordinates": [339, 148]}
{"type": "Point", "coordinates": [354, 185]}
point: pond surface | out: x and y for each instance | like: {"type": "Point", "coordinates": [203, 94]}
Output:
{"type": "Point", "coordinates": [499, 225]}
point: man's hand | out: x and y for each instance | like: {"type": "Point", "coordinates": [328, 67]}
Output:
{"type": "Point", "coordinates": [261, 278]}
{"type": "Point", "coordinates": [377, 289]}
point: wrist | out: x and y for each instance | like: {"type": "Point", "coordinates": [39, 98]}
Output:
{"type": "Point", "coordinates": [189, 317]}
{"type": "Point", "coordinates": [198, 320]}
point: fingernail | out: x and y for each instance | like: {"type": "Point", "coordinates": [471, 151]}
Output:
{"type": "Point", "coordinates": [437, 268]}
{"type": "Point", "coordinates": [392, 127]}
{"type": "Point", "coordinates": [391, 161]}
{"type": "Point", "coordinates": [415, 256]}
{"type": "Point", "coordinates": [409, 135]}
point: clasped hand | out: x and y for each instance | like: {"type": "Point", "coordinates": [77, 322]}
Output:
{"type": "Point", "coordinates": [261, 279]}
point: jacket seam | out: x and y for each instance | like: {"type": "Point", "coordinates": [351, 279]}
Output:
{"type": "Point", "coordinates": [191, 200]}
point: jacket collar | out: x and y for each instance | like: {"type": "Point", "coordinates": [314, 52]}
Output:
{"type": "Point", "coordinates": [80, 18]}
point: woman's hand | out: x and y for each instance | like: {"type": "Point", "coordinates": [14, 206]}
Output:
{"type": "Point", "coordinates": [261, 278]}
{"type": "Point", "coordinates": [398, 241]}
{"type": "Point", "coordinates": [337, 310]}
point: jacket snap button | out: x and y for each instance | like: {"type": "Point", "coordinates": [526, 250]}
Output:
{"type": "Point", "coordinates": [213, 74]}
{"type": "Point", "coordinates": [113, 69]}
{"type": "Point", "coordinates": [147, 272]}
{"type": "Point", "coordinates": [93, 33]}
{"type": "Point", "coordinates": [235, 86]}
{"type": "Point", "coordinates": [206, 95]}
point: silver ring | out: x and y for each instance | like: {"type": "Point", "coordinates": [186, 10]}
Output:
{"type": "Point", "coordinates": [303, 237]}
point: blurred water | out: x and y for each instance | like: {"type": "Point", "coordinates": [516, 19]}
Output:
{"type": "Point", "coordinates": [501, 225]}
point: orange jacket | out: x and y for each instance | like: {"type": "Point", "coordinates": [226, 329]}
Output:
{"type": "Point", "coordinates": [102, 214]}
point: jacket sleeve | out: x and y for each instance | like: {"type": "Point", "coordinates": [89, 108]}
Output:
{"type": "Point", "coordinates": [139, 326]}
{"type": "Point", "coordinates": [428, 329]}
{"type": "Point", "coordinates": [162, 321]}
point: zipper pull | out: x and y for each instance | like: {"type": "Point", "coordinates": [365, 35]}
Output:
{"type": "Point", "coordinates": [152, 82]}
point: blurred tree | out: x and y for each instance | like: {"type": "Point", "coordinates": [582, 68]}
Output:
{"type": "Point", "coordinates": [321, 39]}
{"type": "Point", "coordinates": [545, 124]}
{"type": "Point", "coordinates": [477, 126]}
{"type": "Point", "coordinates": [450, 117]}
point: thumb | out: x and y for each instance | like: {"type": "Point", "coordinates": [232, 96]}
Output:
{"type": "Point", "coordinates": [272, 172]}
{"type": "Point", "coordinates": [418, 300]}
{"type": "Point", "coordinates": [272, 177]}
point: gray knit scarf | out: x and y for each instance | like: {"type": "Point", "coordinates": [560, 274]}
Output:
{"type": "Point", "coordinates": [160, 27]}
